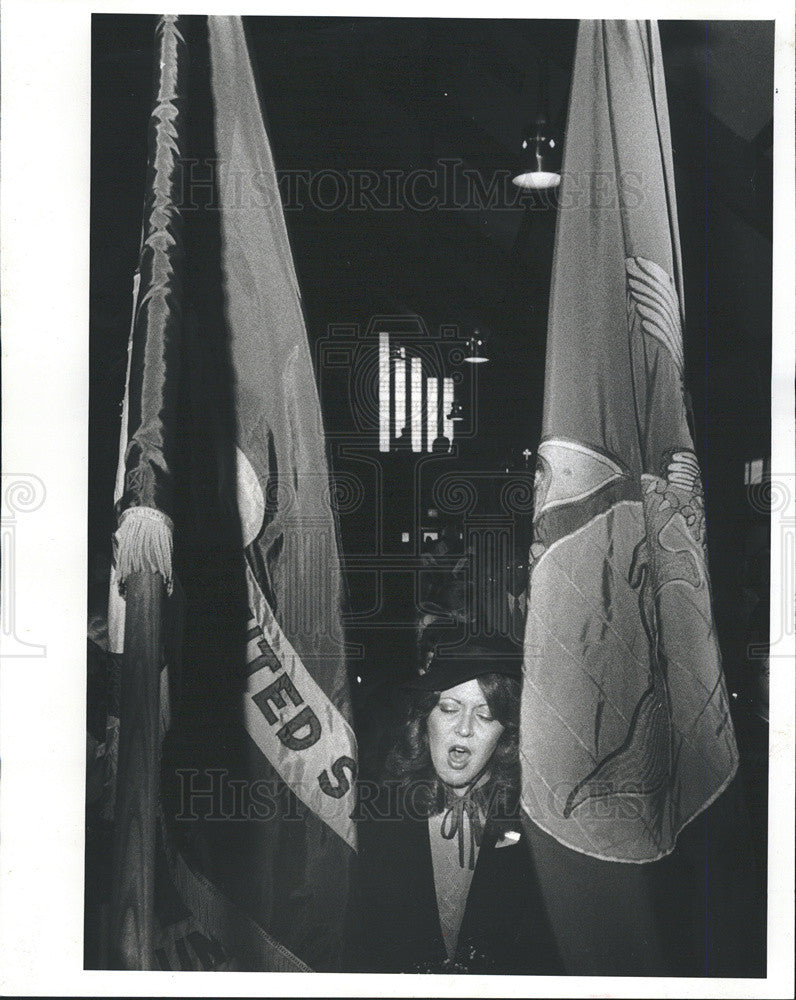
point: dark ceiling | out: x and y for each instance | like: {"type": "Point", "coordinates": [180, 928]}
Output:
{"type": "Point", "coordinates": [350, 95]}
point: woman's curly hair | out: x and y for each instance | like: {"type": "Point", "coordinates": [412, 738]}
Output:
{"type": "Point", "coordinates": [409, 761]}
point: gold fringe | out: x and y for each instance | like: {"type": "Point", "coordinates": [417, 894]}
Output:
{"type": "Point", "coordinates": [144, 544]}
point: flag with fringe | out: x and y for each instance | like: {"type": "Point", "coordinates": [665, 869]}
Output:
{"type": "Point", "coordinates": [223, 490]}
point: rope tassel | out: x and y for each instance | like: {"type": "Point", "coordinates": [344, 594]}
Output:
{"type": "Point", "coordinates": [143, 543]}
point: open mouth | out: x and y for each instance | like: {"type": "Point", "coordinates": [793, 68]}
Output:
{"type": "Point", "coordinates": [458, 757]}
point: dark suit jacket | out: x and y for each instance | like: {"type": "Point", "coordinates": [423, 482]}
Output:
{"type": "Point", "coordinates": [504, 928]}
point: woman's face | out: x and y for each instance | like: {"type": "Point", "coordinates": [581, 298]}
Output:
{"type": "Point", "coordinates": [462, 734]}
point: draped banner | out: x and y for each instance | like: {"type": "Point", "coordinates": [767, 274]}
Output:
{"type": "Point", "coordinates": [296, 696]}
{"type": "Point", "coordinates": [244, 462]}
{"type": "Point", "coordinates": [625, 728]}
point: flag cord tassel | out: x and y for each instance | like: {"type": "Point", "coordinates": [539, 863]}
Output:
{"type": "Point", "coordinates": [144, 544]}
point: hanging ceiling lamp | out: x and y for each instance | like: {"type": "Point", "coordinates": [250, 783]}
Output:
{"type": "Point", "coordinates": [540, 162]}
{"type": "Point", "coordinates": [476, 348]}
{"type": "Point", "coordinates": [541, 159]}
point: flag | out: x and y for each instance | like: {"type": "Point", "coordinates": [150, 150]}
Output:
{"type": "Point", "coordinates": [230, 401]}
{"type": "Point", "coordinates": [295, 700]}
{"type": "Point", "coordinates": [625, 727]}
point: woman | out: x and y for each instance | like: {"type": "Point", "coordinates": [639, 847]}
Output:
{"type": "Point", "coordinates": [447, 880]}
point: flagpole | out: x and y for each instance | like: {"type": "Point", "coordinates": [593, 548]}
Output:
{"type": "Point", "coordinates": [138, 775]}
{"type": "Point", "coordinates": [142, 571]}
